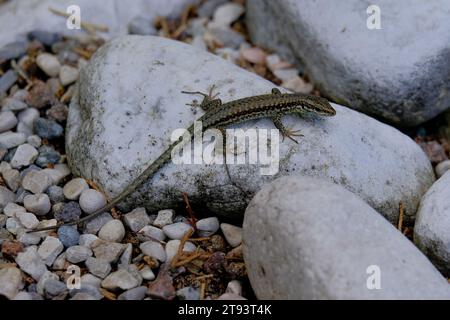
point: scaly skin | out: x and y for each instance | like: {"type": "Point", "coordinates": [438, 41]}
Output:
{"type": "Point", "coordinates": [219, 115]}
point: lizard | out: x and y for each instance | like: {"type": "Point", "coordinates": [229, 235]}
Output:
{"type": "Point", "coordinates": [218, 115]}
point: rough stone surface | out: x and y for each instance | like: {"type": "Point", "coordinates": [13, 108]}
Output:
{"type": "Point", "coordinates": [10, 282]}
{"type": "Point", "coordinates": [108, 251]}
{"type": "Point", "coordinates": [37, 203]}
{"type": "Point", "coordinates": [30, 262]}
{"type": "Point", "coordinates": [107, 129]}
{"type": "Point", "coordinates": [98, 267]}
{"type": "Point", "coordinates": [137, 219]}
{"type": "Point", "coordinates": [399, 73]}
{"type": "Point", "coordinates": [431, 230]}
{"type": "Point", "coordinates": [49, 250]}
{"type": "Point", "coordinates": [78, 254]}
{"type": "Point", "coordinates": [307, 238]}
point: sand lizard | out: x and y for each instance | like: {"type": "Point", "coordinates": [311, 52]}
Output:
{"type": "Point", "coordinates": [218, 115]}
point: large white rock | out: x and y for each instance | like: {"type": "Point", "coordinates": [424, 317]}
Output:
{"type": "Point", "coordinates": [22, 16]}
{"type": "Point", "coordinates": [307, 238]}
{"type": "Point", "coordinates": [399, 72]}
{"type": "Point", "coordinates": [124, 114]}
{"type": "Point", "coordinates": [432, 228]}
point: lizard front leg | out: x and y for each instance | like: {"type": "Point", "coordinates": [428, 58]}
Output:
{"type": "Point", "coordinates": [209, 100]}
{"type": "Point", "coordinates": [285, 131]}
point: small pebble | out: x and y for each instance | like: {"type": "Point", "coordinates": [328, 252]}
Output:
{"type": "Point", "coordinates": [49, 64]}
{"type": "Point", "coordinates": [188, 293]}
{"type": "Point", "coordinates": [70, 211]}
{"type": "Point", "coordinates": [274, 62]}
{"type": "Point", "coordinates": [207, 227]}
{"type": "Point", "coordinates": [91, 200]}
{"type": "Point", "coordinates": [208, 7]}
{"type": "Point", "coordinates": [37, 203]}
{"type": "Point", "coordinates": [26, 238]}
{"type": "Point", "coordinates": [235, 287]}
{"type": "Point", "coordinates": [133, 294]}
{"type": "Point", "coordinates": [47, 155]}
{"type": "Point", "coordinates": [232, 234]}
{"type": "Point", "coordinates": [98, 267]}
{"type": "Point", "coordinates": [8, 121]}
{"type": "Point", "coordinates": [36, 181]}
{"type": "Point", "coordinates": [54, 288]}
{"type": "Point", "coordinates": [228, 38]}
{"type": "Point", "coordinates": [69, 236]}
{"type": "Point", "coordinates": [30, 262]}
{"type": "Point", "coordinates": [55, 193]}
{"type": "Point", "coordinates": [6, 196]}
{"type": "Point", "coordinates": [77, 254]}
{"type": "Point", "coordinates": [28, 117]}
{"type": "Point", "coordinates": [49, 250]}
{"type": "Point", "coordinates": [227, 13]}
{"type": "Point", "coordinates": [24, 156]}
{"type": "Point", "coordinates": [27, 219]}
{"type": "Point", "coordinates": [68, 75]}
{"type": "Point", "coordinates": [299, 85]}
{"type": "Point", "coordinates": [13, 225]}
{"type": "Point", "coordinates": [47, 38]}
{"type": "Point", "coordinates": [23, 128]}
{"type": "Point", "coordinates": [109, 251]}
{"type": "Point", "coordinates": [136, 219]}
{"type": "Point", "coordinates": [442, 167]}
{"type": "Point", "coordinates": [112, 231]}
{"type": "Point", "coordinates": [95, 224]}
{"type": "Point", "coordinates": [286, 74]}
{"type": "Point", "coordinates": [60, 262]}
{"type": "Point", "coordinates": [120, 279]}
{"type": "Point", "coordinates": [12, 208]}
{"type": "Point", "coordinates": [87, 239]}
{"type": "Point", "coordinates": [7, 80]}
{"type": "Point", "coordinates": [154, 250]}
{"type": "Point", "coordinates": [173, 245]}
{"type": "Point", "coordinates": [34, 140]}
{"type": "Point", "coordinates": [12, 179]}
{"type": "Point", "coordinates": [176, 230]}
{"type": "Point", "coordinates": [73, 189]}
{"type": "Point", "coordinates": [10, 282]}
{"type": "Point", "coordinates": [14, 105]}
{"type": "Point", "coordinates": [152, 233]}
{"type": "Point", "coordinates": [13, 50]}
{"type": "Point", "coordinates": [147, 273]}
{"type": "Point", "coordinates": [3, 219]}
{"type": "Point", "coordinates": [48, 129]}
{"type": "Point", "coordinates": [58, 112]}
{"type": "Point", "coordinates": [125, 258]}
{"type": "Point", "coordinates": [10, 139]}
{"type": "Point", "coordinates": [164, 218]}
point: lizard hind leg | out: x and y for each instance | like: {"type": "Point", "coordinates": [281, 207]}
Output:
{"type": "Point", "coordinates": [276, 91]}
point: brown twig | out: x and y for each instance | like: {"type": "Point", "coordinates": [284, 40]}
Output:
{"type": "Point", "coordinates": [400, 216]}
{"type": "Point", "coordinates": [188, 259]}
{"type": "Point", "coordinates": [192, 219]}
{"type": "Point", "coordinates": [180, 248]}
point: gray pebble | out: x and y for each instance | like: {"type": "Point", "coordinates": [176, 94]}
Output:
{"type": "Point", "coordinates": [3, 219]}
{"type": "Point", "coordinates": [152, 233]}
{"type": "Point", "coordinates": [98, 267]}
{"type": "Point", "coordinates": [30, 262]}
{"type": "Point", "coordinates": [13, 225]}
{"type": "Point", "coordinates": [6, 196]}
{"type": "Point", "coordinates": [188, 293]}
{"type": "Point", "coordinates": [12, 179]}
{"type": "Point", "coordinates": [28, 116]}
{"type": "Point", "coordinates": [112, 231]}
{"type": "Point", "coordinates": [95, 224]}
{"type": "Point", "coordinates": [36, 181]}
{"type": "Point", "coordinates": [9, 154]}
{"type": "Point", "coordinates": [12, 208]}
{"type": "Point", "coordinates": [54, 287]}
{"type": "Point", "coordinates": [73, 189]}
{"type": "Point", "coordinates": [10, 282]}
{"type": "Point", "coordinates": [70, 211]}
{"type": "Point", "coordinates": [91, 200]}
{"type": "Point", "coordinates": [133, 294]}
{"type": "Point", "coordinates": [77, 254]}
{"type": "Point", "coordinates": [34, 140]}
{"type": "Point", "coordinates": [87, 239]}
{"type": "Point", "coordinates": [37, 203]}
{"type": "Point", "coordinates": [7, 80]}
{"type": "Point", "coordinates": [47, 155]}
{"type": "Point", "coordinates": [228, 37]}
{"type": "Point", "coordinates": [164, 218]}
{"type": "Point", "coordinates": [14, 104]}
{"type": "Point", "coordinates": [109, 251]}
{"type": "Point", "coordinates": [48, 129]}
{"type": "Point", "coordinates": [136, 219]}
{"type": "Point", "coordinates": [69, 236]}
{"type": "Point", "coordinates": [125, 258]}
{"type": "Point", "coordinates": [442, 167]}
{"type": "Point", "coordinates": [26, 238]}
{"type": "Point", "coordinates": [68, 75]}
{"type": "Point", "coordinates": [47, 38]}
{"type": "Point", "coordinates": [55, 193]}
{"type": "Point", "coordinates": [176, 230]}
{"type": "Point", "coordinates": [232, 234]}
{"type": "Point", "coordinates": [13, 50]}
{"type": "Point", "coordinates": [49, 249]}
{"type": "Point", "coordinates": [10, 139]}
{"type": "Point", "coordinates": [8, 121]}
{"type": "Point", "coordinates": [207, 227]}
{"type": "Point", "coordinates": [27, 219]}
{"type": "Point", "coordinates": [208, 7]}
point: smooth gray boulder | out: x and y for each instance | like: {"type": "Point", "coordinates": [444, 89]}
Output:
{"type": "Point", "coordinates": [432, 227]}
{"type": "Point", "coordinates": [129, 103]}
{"type": "Point", "coordinates": [22, 16]}
{"type": "Point", "coordinates": [399, 72]}
{"type": "Point", "coordinates": [307, 238]}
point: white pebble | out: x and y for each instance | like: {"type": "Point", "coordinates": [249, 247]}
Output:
{"type": "Point", "coordinates": [207, 227]}
{"type": "Point", "coordinates": [173, 245]}
{"type": "Point", "coordinates": [12, 208]}
{"type": "Point", "coordinates": [11, 139]}
{"type": "Point", "coordinates": [164, 217]}
{"type": "Point", "coordinates": [13, 225]}
{"type": "Point", "coordinates": [147, 273]}
{"type": "Point", "coordinates": [24, 156]}
{"type": "Point", "coordinates": [12, 179]}
{"type": "Point", "coordinates": [68, 75]}
{"type": "Point", "coordinates": [232, 234]}
{"type": "Point", "coordinates": [153, 233]}
{"type": "Point", "coordinates": [14, 104]}
{"type": "Point", "coordinates": [234, 286]}
{"type": "Point", "coordinates": [176, 230]}
{"type": "Point", "coordinates": [153, 249]}
{"type": "Point", "coordinates": [23, 128]}
{"type": "Point", "coordinates": [87, 239]}
{"type": "Point", "coordinates": [76, 254]}
{"type": "Point", "coordinates": [112, 231]}
{"type": "Point", "coordinates": [91, 200]}
{"type": "Point", "coordinates": [49, 249]}
{"type": "Point", "coordinates": [227, 14]}
{"type": "Point", "coordinates": [27, 219]}
{"type": "Point", "coordinates": [49, 64]}
{"type": "Point", "coordinates": [73, 189]}
{"type": "Point", "coordinates": [37, 203]}
{"type": "Point", "coordinates": [7, 121]}
{"type": "Point", "coordinates": [28, 116]}
{"type": "Point", "coordinates": [442, 167]}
